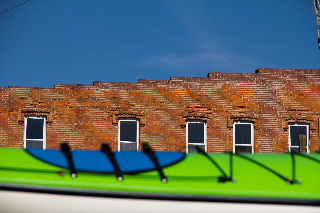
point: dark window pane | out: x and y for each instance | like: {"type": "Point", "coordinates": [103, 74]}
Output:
{"type": "Point", "coordinates": [34, 144]}
{"type": "Point", "coordinates": [128, 146]}
{"type": "Point", "coordinates": [295, 149]}
{"type": "Point", "coordinates": [34, 128]}
{"type": "Point", "coordinates": [196, 132]}
{"type": "Point", "coordinates": [242, 133]}
{"type": "Point", "coordinates": [128, 131]}
{"type": "Point", "coordinates": [243, 149]}
{"type": "Point", "coordinates": [295, 131]}
{"type": "Point", "coordinates": [192, 147]}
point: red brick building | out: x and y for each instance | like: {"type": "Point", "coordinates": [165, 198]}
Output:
{"type": "Point", "coordinates": [271, 110]}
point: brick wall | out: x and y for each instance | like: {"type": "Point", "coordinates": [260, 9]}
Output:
{"type": "Point", "coordinates": [87, 115]}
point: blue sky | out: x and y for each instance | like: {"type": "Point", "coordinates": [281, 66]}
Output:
{"type": "Point", "coordinates": [48, 42]}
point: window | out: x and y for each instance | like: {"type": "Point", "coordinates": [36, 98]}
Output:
{"type": "Point", "coordinates": [128, 134]}
{"type": "Point", "coordinates": [35, 132]}
{"type": "Point", "coordinates": [243, 137]}
{"type": "Point", "coordinates": [196, 135]}
{"type": "Point", "coordinates": [299, 138]}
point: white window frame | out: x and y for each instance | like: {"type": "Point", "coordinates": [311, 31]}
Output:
{"type": "Point", "coordinates": [44, 140]}
{"type": "Point", "coordinates": [234, 135]}
{"type": "Point", "coordinates": [119, 129]}
{"type": "Point", "coordinates": [204, 132]}
{"type": "Point", "coordinates": [308, 137]}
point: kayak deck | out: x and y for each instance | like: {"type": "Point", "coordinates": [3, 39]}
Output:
{"type": "Point", "coordinates": [271, 178]}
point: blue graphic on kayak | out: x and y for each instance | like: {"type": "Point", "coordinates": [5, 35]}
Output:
{"type": "Point", "coordinates": [99, 162]}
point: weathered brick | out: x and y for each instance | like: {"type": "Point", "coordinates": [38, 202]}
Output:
{"type": "Point", "coordinates": [87, 115]}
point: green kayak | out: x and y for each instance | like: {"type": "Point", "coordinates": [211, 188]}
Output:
{"type": "Point", "coordinates": [287, 178]}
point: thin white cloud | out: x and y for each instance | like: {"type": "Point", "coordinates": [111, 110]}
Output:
{"type": "Point", "coordinates": [180, 62]}
{"type": "Point", "coordinates": [184, 63]}
{"type": "Point", "coordinates": [205, 49]}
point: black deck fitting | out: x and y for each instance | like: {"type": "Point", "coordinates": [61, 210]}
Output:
{"type": "Point", "coordinates": [105, 148]}
{"type": "Point", "coordinates": [287, 180]}
{"type": "Point", "coordinates": [224, 177]}
{"type": "Point", "coordinates": [65, 148]}
{"type": "Point", "coordinates": [148, 150]}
